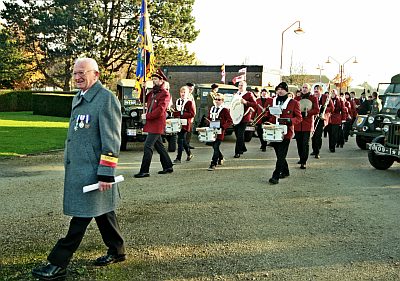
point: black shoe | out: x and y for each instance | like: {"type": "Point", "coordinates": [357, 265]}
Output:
{"type": "Point", "coordinates": [284, 175]}
{"type": "Point", "coordinates": [237, 155]}
{"type": "Point", "coordinates": [191, 147]}
{"type": "Point", "coordinates": [313, 153]}
{"type": "Point", "coordinates": [189, 157]}
{"type": "Point", "coordinates": [303, 166]}
{"type": "Point", "coordinates": [273, 181]}
{"type": "Point", "coordinates": [332, 150]}
{"type": "Point", "coordinates": [142, 175]}
{"type": "Point", "coordinates": [317, 156]}
{"type": "Point", "coordinates": [166, 171]}
{"type": "Point", "coordinates": [263, 149]}
{"type": "Point", "coordinates": [49, 272]}
{"type": "Point", "coordinates": [299, 162]}
{"type": "Point", "coordinates": [212, 167]}
{"type": "Point", "coordinates": [108, 259]}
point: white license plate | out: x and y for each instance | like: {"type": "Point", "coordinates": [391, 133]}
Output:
{"type": "Point", "coordinates": [131, 132]}
{"type": "Point", "coordinates": [250, 128]}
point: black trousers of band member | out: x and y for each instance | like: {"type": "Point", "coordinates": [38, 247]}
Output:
{"type": "Point", "coordinates": [303, 145]}
{"type": "Point", "coordinates": [281, 150]}
{"type": "Point", "coordinates": [333, 133]}
{"type": "Point", "coordinates": [182, 144]}
{"type": "Point", "coordinates": [217, 155]}
{"type": "Point", "coordinates": [316, 139]}
{"type": "Point", "coordinates": [347, 128]}
{"type": "Point", "coordinates": [64, 249]}
{"type": "Point", "coordinates": [154, 141]}
{"type": "Point", "coordinates": [260, 132]}
{"type": "Point", "coordinates": [240, 146]}
{"type": "Point", "coordinates": [340, 140]}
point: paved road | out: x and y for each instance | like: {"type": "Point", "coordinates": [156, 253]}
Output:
{"type": "Point", "coordinates": [336, 220]}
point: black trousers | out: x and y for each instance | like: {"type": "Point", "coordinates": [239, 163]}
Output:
{"type": "Point", "coordinates": [281, 150]}
{"type": "Point", "coordinates": [316, 139]}
{"type": "Point", "coordinates": [260, 132]}
{"type": "Point", "coordinates": [182, 145]}
{"type": "Point", "coordinates": [64, 249]}
{"type": "Point", "coordinates": [240, 146]}
{"type": "Point", "coordinates": [333, 133]}
{"type": "Point", "coordinates": [217, 155]}
{"type": "Point", "coordinates": [303, 145]}
{"type": "Point", "coordinates": [154, 141]}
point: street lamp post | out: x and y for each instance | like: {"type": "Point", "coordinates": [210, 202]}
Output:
{"type": "Point", "coordinates": [298, 30]}
{"type": "Point", "coordinates": [341, 68]}
{"type": "Point", "coordinates": [320, 68]}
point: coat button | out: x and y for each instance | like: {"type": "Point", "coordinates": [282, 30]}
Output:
{"type": "Point", "coordinates": [68, 161]}
{"type": "Point", "coordinates": [69, 140]}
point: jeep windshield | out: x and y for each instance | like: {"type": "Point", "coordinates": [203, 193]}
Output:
{"type": "Point", "coordinates": [392, 102]}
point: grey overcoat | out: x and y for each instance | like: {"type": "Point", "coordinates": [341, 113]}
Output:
{"type": "Point", "coordinates": [91, 150]}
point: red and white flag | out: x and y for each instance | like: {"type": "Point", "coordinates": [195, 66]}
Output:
{"type": "Point", "coordinates": [243, 70]}
{"type": "Point", "coordinates": [223, 73]}
{"type": "Point", "coordinates": [238, 79]}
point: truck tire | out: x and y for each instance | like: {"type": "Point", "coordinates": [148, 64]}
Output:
{"type": "Point", "coordinates": [361, 142]}
{"type": "Point", "coordinates": [248, 135]}
{"type": "Point", "coordinates": [380, 162]}
{"type": "Point", "coordinates": [124, 144]}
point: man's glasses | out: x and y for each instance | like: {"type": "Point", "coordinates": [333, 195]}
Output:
{"type": "Point", "coordinates": [218, 99]}
{"type": "Point", "coordinates": [81, 73]}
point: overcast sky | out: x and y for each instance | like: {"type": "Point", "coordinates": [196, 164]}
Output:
{"type": "Point", "coordinates": [234, 31]}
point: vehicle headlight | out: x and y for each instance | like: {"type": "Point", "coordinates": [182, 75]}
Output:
{"type": "Point", "coordinates": [386, 120]}
{"type": "Point", "coordinates": [385, 128]}
{"type": "Point", "coordinates": [133, 114]}
{"type": "Point", "coordinates": [371, 119]}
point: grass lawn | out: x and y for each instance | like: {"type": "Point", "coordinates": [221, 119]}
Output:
{"type": "Point", "coordinates": [23, 133]}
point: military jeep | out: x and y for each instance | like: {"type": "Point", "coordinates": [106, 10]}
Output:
{"type": "Point", "coordinates": [132, 110]}
{"type": "Point", "coordinates": [368, 127]}
{"type": "Point", "coordinates": [385, 149]}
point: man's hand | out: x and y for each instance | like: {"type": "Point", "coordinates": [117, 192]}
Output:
{"type": "Point", "coordinates": [104, 185]}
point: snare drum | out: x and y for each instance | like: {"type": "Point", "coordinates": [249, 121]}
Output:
{"type": "Point", "coordinates": [274, 133]}
{"type": "Point", "coordinates": [173, 125]}
{"type": "Point", "coordinates": [207, 134]}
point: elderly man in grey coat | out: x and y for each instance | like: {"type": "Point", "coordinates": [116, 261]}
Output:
{"type": "Point", "coordinates": [90, 156]}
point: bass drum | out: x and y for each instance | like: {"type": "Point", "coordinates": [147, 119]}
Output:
{"type": "Point", "coordinates": [236, 109]}
{"type": "Point", "coordinates": [325, 87]}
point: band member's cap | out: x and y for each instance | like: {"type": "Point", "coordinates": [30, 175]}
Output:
{"type": "Point", "coordinates": [214, 86]}
{"type": "Point", "coordinates": [282, 85]}
{"type": "Point", "coordinates": [160, 75]}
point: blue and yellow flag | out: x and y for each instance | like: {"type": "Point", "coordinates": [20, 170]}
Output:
{"type": "Point", "coordinates": [145, 62]}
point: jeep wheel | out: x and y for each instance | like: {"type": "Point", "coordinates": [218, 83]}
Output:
{"type": "Point", "coordinates": [380, 162]}
{"type": "Point", "coordinates": [361, 142]}
{"type": "Point", "coordinates": [124, 144]}
{"type": "Point", "coordinates": [248, 135]}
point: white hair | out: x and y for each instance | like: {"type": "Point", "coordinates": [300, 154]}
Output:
{"type": "Point", "coordinates": [88, 61]}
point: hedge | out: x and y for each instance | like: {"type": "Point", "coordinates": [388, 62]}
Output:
{"type": "Point", "coordinates": [40, 102]}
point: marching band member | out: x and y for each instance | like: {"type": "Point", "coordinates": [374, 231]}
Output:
{"type": "Point", "coordinates": [157, 101]}
{"type": "Point", "coordinates": [303, 129]}
{"type": "Point", "coordinates": [335, 121]}
{"type": "Point", "coordinates": [325, 106]}
{"type": "Point", "coordinates": [261, 108]}
{"type": "Point", "coordinates": [184, 110]}
{"type": "Point", "coordinates": [291, 115]}
{"type": "Point", "coordinates": [249, 102]}
{"type": "Point", "coordinates": [218, 112]}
